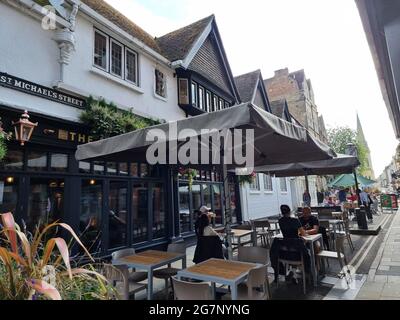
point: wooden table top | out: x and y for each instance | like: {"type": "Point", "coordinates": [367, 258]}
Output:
{"type": "Point", "coordinates": [150, 257]}
{"type": "Point", "coordinates": [241, 232]}
{"type": "Point", "coordinates": [311, 237]}
{"type": "Point", "coordinates": [226, 269]}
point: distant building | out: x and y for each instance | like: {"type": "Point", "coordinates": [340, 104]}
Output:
{"type": "Point", "coordinates": [264, 196]}
{"type": "Point", "coordinates": [369, 171]}
{"type": "Point", "coordinates": [296, 90]}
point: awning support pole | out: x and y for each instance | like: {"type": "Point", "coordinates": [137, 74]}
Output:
{"type": "Point", "coordinates": [356, 182]}
{"type": "Point", "coordinates": [227, 207]}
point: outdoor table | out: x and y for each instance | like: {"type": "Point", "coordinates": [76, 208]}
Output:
{"type": "Point", "coordinates": [239, 234]}
{"type": "Point", "coordinates": [226, 272]}
{"type": "Point", "coordinates": [150, 260]}
{"type": "Point", "coordinates": [310, 239]}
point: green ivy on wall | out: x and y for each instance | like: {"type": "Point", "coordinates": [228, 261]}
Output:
{"type": "Point", "coordinates": [3, 146]}
{"type": "Point", "coordinates": [106, 120]}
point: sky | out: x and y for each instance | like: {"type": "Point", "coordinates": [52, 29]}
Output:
{"type": "Point", "coordinates": [325, 38]}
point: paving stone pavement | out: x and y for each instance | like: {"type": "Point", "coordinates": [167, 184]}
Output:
{"type": "Point", "coordinates": [383, 282]}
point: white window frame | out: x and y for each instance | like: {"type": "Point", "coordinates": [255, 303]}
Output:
{"type": "Point", "coordinates": [221, 104]}
{"type": "Point", "coordinates": [208, 100]}
{"type": "Point", "coordinates": [126, 67]}
{"type": "Point", "coordinates": [122, 76]}
{"type": "Point", "coordinates": [214, 105]}
{"type": "Point", "coordinates": [281, 185]}
{"type": "Point", "coordinates": [107, 50]}
{"type": "Point", "coordinates": [268, 188]}
{"type": "Point", "coordinates": [155, 83]}
{"type": "Point", "coordinates": [255, 183]}
{"type": "Point", "coordinates": [201, 97]}
{"type": "Point", "coordinates": [195, 101]}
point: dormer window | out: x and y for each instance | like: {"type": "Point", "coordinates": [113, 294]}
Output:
{"type": "Point", "coordinates": [160, 83]}
{"type": "Point", "coordinates": [194, 93]}
{"type": "Point", "coordinates": [208, 101]}
{"type": "Point", "coordinates": [201, 98]}
{"type": "Point", "coordinates": [183, 91]}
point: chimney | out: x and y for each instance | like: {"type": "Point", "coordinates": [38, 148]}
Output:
{"type": "Point", "coordinates": [282, 72]}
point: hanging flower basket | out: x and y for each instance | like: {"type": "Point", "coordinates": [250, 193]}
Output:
{"type": "Point", "coordinates": [247, 178]}
{"type": "Point", "coordinates": [189, 174]}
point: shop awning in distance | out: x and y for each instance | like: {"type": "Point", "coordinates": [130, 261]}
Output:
{"type": "Point", "coordinates": [275, 141]}
{"type": "Point", "coordinates": [340, 164]}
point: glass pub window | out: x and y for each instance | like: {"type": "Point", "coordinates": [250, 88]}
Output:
{"type": "Point", "coordinates": [123, 168]}
{"type": "Point", "coordinates": [194, 93]}
{"type": "Point", "coordinates": [59, 162]}
{"type": "Point", "coordinates": [14, 160]}
{"type": "Point", "coordinates": [116, 58]}
{"type": "Point", "coordinates": [221, 104]}
{"type": "Point", "coordinates": [160, 84]}
{"type": "Point", "coordinates": [100, 50]}
{"type": "Point", "coordinates": [134, 169]}
{"type": "Point", "coordinates": [37, 160]}
{"type": "Point", "coordinates": [267, 182]}
{"type": "Point", "coordinates": [131, 66]}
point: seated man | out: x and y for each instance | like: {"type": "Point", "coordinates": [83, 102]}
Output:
{"type": "Point", "coordinates": [311, 226]}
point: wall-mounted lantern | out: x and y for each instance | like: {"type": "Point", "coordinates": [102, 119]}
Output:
{"type": "Point", "coordinates": [24, 128]}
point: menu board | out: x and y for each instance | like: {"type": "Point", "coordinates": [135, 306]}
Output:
{"type": "Point", "coordinates": [389, 201]}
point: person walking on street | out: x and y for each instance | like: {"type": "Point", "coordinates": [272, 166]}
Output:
{"type": "Point", "coordinates": [366, 202]}
{"type": "Point", "coordinates": [306, 198]}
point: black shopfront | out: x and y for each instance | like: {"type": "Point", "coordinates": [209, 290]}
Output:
{"type": "Point", "coordinates": [111, 205]}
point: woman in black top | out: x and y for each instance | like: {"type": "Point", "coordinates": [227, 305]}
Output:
{"type": "Point", "coordinates": [290, 227]}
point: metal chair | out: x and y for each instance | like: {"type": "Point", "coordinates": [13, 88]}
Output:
{"type": "Point", "coordinates": [256, 255]}
{"type": "Point", "coordinates": [118, 276]}
{"type": "Point", "coordinates": [339, 255]}
{"type": "Point", "coordinates": [134, 276]}
{"type": "Point", "coordinates": [184, 290]}
{"type": "Point", "coordinates": [168, 272]}
{"type": "Point", "coordinates": [289, 253]}
{"type": "Point", "coordinates": [264, 234]}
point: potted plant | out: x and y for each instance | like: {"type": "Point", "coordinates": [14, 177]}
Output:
{"type": "Point", "coordinates": [33, 270]}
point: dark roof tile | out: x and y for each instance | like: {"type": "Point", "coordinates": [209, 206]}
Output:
{"type": "Point", "coordinates": [246, 84]}
{"type": "Point", "coordinates": [177, 44]}
{"type": "Point", "coordinates": [113, 15]}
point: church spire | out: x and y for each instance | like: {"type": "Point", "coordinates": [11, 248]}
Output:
{"type": "Point", "coordinates": [369, 171]}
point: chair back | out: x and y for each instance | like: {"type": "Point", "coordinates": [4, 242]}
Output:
{"type": "Point", "coordinates": [253, 254]}
{"type": "Point", "coordinates": [115, 274]}
{"type": "Point", "coordinates": [184, 290]}
{"type": "Point", "coordinates": [290, 249]}
{"type": "Point", "coordinates": [257, 278]}
{"type": "Point", "coordinates": [324, 224]}
{"type": "Point", "coordinates": [178, 247]}
{"type": "Point", "coordinates": [263, 224]}
{"type": "Point", "coordinates": [122, 253]}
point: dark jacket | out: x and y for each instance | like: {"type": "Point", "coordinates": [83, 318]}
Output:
{"type": "Point", "coordinates": [208, 247]}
